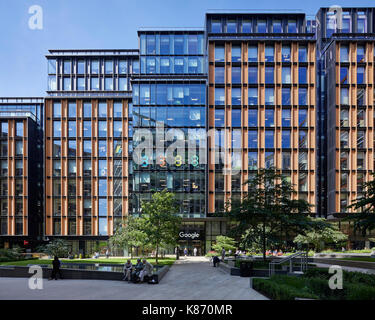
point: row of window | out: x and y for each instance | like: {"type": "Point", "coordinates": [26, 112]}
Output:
{"type": "Point", "coordinates": [171, 44]}
{"type": "Point", "coordinates": [4, 129]}
{"type": "Point", "coordinates": [4, 148]}
{"type": "Point", "coordinates": [268, 75]}
{"type": "Point", "coordinates": [18, 170]}
{"type": "Point", "coordinates": [344, 118]}
{"type": "Point", "coordinates": [344, 160]}
{"type": "Point", "coordinates": [254, 55]}
{"type": "Point", "coordinates": [18, 224]}
{"type": "Point", "coordinates": [102, 147]}
{"type": "Point", "coordinates": [87, 110]}
{"type": "Point", "coordinates": [269, 118]}
{"type": "Point", "coordinates": [360, 74]}
{"type": "Point", "coordinates": [167, 94]}
{"type": "Point", "coordinates": [344, 182]}
{"type": "Point", "coordinates": [92, 83]}
{"type": "Point", "coordinates": [361, 96]}
{"type": "Point", "coordinates": [87, 130]}
{"type": "Point", "coordinates": [102, 168]}
{"type": "Point", "coordinates": [361, 139]}
{"type": "Point", "coordinates": [18, 187]}
{"type": "Point", "coordinates": [168, 65]}
{"type": "Point", "coordinates": [256, 26]}
{"type": "Point", "coordinates": [102, 226]}
{"type": "Point", "coordinates": [18, 207]}
{"type": "Point", "coordinates": [236, 98]}
{"type": "Point", "coordinates": [345, 24]}
{"type": "Point", "coordinates": [360, 55]}
{"type": "Point", "coordinates": [93, 66]}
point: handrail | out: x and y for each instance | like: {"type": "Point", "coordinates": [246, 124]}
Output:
{"type": "Point", "coordinates": [303, 262]}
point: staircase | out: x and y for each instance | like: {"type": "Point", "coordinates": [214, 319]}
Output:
{"type": "Point", "coordinates": [301, 257]}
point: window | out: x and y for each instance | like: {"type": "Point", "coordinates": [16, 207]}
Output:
{"type": "Point", "coordinates": [117, 148]}
{"type": "Point", "coordinates": [302, 54]}
{"type": "Point", "coordinates": [102, 148]}
{"type": "Point", "coordinates": [285, 75]}
{"type": "Point", "coordinates": [81, 85]}
{"type": "Point", "coordinates": [360, 75]}
{"type": "Point", "coordinates": [302, 118]}
{"type": "Point", "coordinates": [102, 129]}
{"type": "Point", "coordinates": [236, 53]}
{"type": "Point", "coordinates": [253, 96]}
{"type": "Point", "coordinates": [19, 129]}
{"type": "Point", "coordinates": [286, 160]}
{"type": "Point", "coordinates": [285, 96]}
{"type": "Point", "coordinates": [150, 44]}
{"type": "Point", "coordinates": [95, 67]}
{"type": "Point", "coordinates": [292, 26]}
{"type": "Point", "coordinates": [72, 129]}
{"type": "Point", "coordinates": [344, 74]}
{"type": "Point", "coordinates": [302, 75]}
{"type": "Point", "coordinates": [87, 171]}
{"type": "Point", "coordinates": [252, 160]}
{"type": "Point", "coordinates": [331, 23]}
{"type": "Point", "coordinates": [231, 26]}
{"type": "Point", "coordinates": [4, 129]}
{"type": "Point", "coordinates": [87, 109]}
{"type": "Point", "coordinates": [361, 96]}
{"type": "Point", "coordinates": [285, 121]}
{"type": "Point", "coordinates": [19, 148]}
{"type": "Point", "coordinates": [57, 128]}
{"type": "Point", "coordinates": [285, 53]}
{"type": "Point", "coordinates": [276, 26]}
{"type": "Point", "coordinates": [81, 66]}
{"type": "Point", "coordinates": [108, 83]}
{"type": "Point", "coordinates": [252, 118]}
{"type": "Point", "coordinates": [219, 53]}
{"type": "Point", "coordinates": [269, 159]}
{"type": "Point", "coordinates": [269, 96]}
{"type": "Point", "coordinates": [102, 187]}
{"type": "Point", "coordinates": [269, 54]}
{"type": "Point", "coordinates": [94, 83]}
{"type": "Point", "coordinates": [219, 117]}
{"type": "Point", "coordinates": [361, 139]}
{"type": "Point", "coordinates": [262, 26]}
{"type": "Point", "coordinates": [4, 167]}
{"type": "Point", "coordinates": [178, 44]}
{"type": "Point", "coordinates": [269, 139]}
{"type": "Point", "coordinates": [72, 167]}
{"type": "Point", "coordinates": [87, 129]}
{"type": "Point", "coordinates": [361, 164]}
{"type": "Point", "coordinates": [246, 26]}
{"type": "Point", "coordinates": [269, 118]}
{"type": "Point", "coordinates": [102, 208]}
{"type": "Point", "coordinates": [252, 139]}
{"type": "Point", "coordinates": [67, 84]}
{"type": "Point", "coordinates": [253, 75]}
{"type": "Point", "coordinates": [344, 53]}
{"type": "Point", "coordinates": [302, 139]}
{"type": "Point", "coordinates": [344, 160]}
{"type": "Point", "coordinates": [361, 118]}
{"type": "Point", "coordinates": [56, 168]}
{"type": "Point", "coordinates": [102, 110]}
{"type": "Point", "coordinates": [215, 26]}
{"type": "Point", "coordinates": [285, 139]}
{"type": "Point", "coordinates": [361, 54]}
{"type": "Point", "coordinates": [117, 128]}
{"type": "Point", "coordinates": [236, 96]}
{"type": "Point", "coordinates": [67, 67]}
{"type": "Point", "coordinates": [269, 76]}
{"type": "Point", "coordinates": [344, 139]}
{"type": "Point", "coordinates": [344, 96]}
{"type": "Point", "coordinates": [103, 226]}
{"type": "Point", "coordinates": [346, 22]}
{"type": "Point", "coordinates": [361, 22]}
{"type": "Point", "coordinates": [123, 67]}
{"type": "Point", "coordinates": [52, 66]}
{"type": "Point", "coordinates": [164, 44]}
{"type": "Point", "coordinates": [236, 74]}
{"type": "Point", "coordinates": [57, 110]}
{"type": "Point", "coordinates": [236, 117]}
{"type": "Point", "coordinates": [343, 202]}
{"type": "Point", "coordinates": [253, 54]}
{"type": "Point", "coordinates": [219, 75]}
{"type": "Point", "coordinates": [72, 148]}
{"type": "Point", "coordinates": [219, 96]}
{"type": "Point", "coordinates": [302, 182]}
{"type": "Point", "coordinates": [52, 83]}
{"type": "Point", "coordinates": [302, 96]}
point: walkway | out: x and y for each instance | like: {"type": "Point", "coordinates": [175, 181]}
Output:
{"type": "Point", "coordinates": [190, 278]}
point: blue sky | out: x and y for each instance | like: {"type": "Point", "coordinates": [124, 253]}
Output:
{"type": "Point", "coordinates": [73, 24]}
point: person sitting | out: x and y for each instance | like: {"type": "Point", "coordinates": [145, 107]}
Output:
{"type": "Point", "coordinates": [128, 267]}
{"type": "Point", "coordinates": [147, 270]}
{"type": "Point", "coordinates": [137, 270]}
{"type": "Point", "coordinates": [216, 261]}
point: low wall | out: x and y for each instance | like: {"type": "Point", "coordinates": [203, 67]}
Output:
{"type": "Point", "coordinates": [23, 272]}
{"type": "Point", "coordinates": [346, 263]}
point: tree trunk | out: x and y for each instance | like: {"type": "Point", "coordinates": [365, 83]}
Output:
{"type": "Point", "coordinates": [131, 252]}
{"type": "Point", "coordinates": [264, 242]}
{"type": "Point", "coordinates": [157, 253]}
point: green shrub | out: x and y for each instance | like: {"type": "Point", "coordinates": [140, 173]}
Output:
{"type": "Point", "coordinates": [359, 292]}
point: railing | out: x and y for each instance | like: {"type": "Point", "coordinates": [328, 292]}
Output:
{"type": "Point", "coordinates": [303, 259]}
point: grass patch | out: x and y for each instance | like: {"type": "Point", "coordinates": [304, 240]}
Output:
{"type": "Point", "coordinates": [165, 261]}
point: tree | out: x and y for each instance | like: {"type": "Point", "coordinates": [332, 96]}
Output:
{"type": "Point", "coordinates": [130, 233]}
{"type": "Point", "coordinates": [364, 205]}
{"type": "Point", "coordinates": [224, 242]}
{"type": "Point", "coordinates": [161, 221]}
{"type": "Point", "coordinates": [268, 215]}
{"type": "Point", "coordinates": [330, 234]}
{"type": "Point", "coordinates": [57, 248]}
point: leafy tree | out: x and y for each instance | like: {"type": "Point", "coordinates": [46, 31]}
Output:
{"type": "Point", "coordinates": [364, 205]}
{"type": "Point", "coordinates": [330, 234]}
{"type": "Point", "coordinates": [58, 248]}
{"type": "Point", "coordinates": [161, 221]}
{"type": "Point", "coordinates": [130, 233]}
{"type": "Point", "coordinates": [268, 215]}
{"type": "Point", "coordinates": [224, 242]}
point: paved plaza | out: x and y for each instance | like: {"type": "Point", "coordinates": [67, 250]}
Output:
{"type": "Point", "coordinates": [190, 278]}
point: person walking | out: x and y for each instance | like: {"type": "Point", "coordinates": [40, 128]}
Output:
{"type": "Point", "coordinates": [128, 267]}
{"type": "Point", "coordinates": [195, 252]}
{"type": "Point", "coordinates": [107, 253]}
{"type": "Point", "coordinates": [55, 269]}
{"type": "Point", "coordinates": [147, 270]}
{"type": "Point", "coordinates": [222, 254]}
{"type": "Point", "coordinates": [185, 251]}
